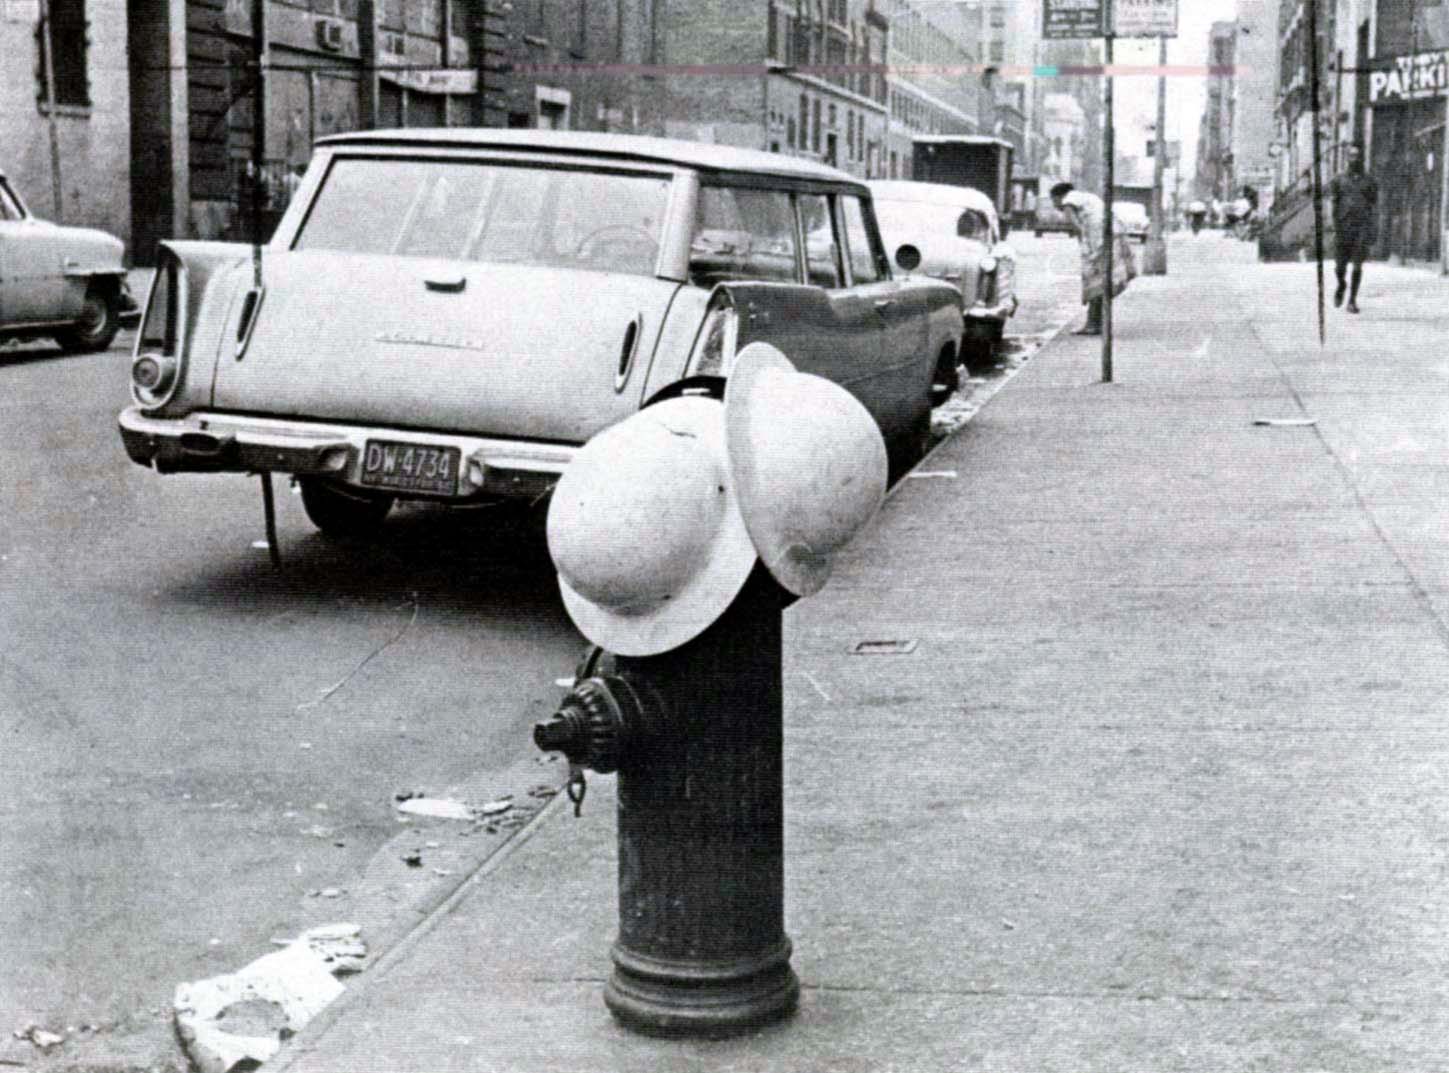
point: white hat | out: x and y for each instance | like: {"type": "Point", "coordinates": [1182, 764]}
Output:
{"type": "Point", "coordinates": [645, 531]}
{"type": "Point", "coordinates": [808, 462]}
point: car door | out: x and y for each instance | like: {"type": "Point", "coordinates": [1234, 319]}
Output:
{"type": "Point", "coordinates": [32, 280]}
{"type": "Point", "coordinates": [857, 325]}
{"type": "Point", "coordinates": [894, 371]}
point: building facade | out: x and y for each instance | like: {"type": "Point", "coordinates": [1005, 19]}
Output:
{"type": "Point", "coordinates": [1255, 84]}
{"type": "Point", "coordinates": [1214, 177]}
{"type": "Point", "coordinates": [91, 113]}
{"type": "Point", "coordinates": [341, 65]}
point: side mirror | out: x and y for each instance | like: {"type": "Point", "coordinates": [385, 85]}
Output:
{"type": "Point", "coordinates": [908, 258]}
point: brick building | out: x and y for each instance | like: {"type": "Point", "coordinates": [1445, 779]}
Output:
{"type": "Point", "coordinates": [92, 117]}
{"type": "Point", "coordinates": [339, 65]}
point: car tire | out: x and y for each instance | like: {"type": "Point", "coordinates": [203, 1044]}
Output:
{"type": "Point", "coordinates": [946, 380]}
{"type": "Point", "coordinates": [978, 354]}
{"type": "Point", "coordinates": [99, 322]}
{"type": "Point", "coordinates": [909, 447]}
{"type": "Point", "coordinates": [340, 513]}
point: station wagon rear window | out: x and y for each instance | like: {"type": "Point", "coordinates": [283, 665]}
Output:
{"type": "Point", "coordinates": [522, 214]}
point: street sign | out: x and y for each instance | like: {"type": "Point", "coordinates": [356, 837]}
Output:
{"type": "Point", "coordinates": [1073, 18]}
{"type": "Point", "coordinates": [1144, 18]}
{"type": "Point", "coordinates": [1413, 77]}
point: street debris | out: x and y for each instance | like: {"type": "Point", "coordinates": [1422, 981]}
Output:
{"type": "Point", "coordinates": [925, 474]}
{"type": "Point", "coordinates": [1285, 422]}
{"type": "Point", "coordinates": [239, 1020]}
{"type": "Point", "coordinates": [437, 807]}
{"type": "Point", "coordinates": [883, 648]}
{"type": "Point", "coordinates": [542, 790]}
{"type": "Point", "coordinates": [42, 1038]}
{"type": "Point", "coordinates": [493, 808]}
{"type": "Point", "coordinates": [413, 858]}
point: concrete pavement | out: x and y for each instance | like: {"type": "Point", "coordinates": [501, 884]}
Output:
{"type": "Point", "coordinates": [1161, 785]}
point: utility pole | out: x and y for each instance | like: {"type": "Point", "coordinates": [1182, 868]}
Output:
{"type": "Point", "coordinates": [1154, 260]}
{"type": "Point", "coordinates": [1109, 150]}
{"type": "Point", "coordinates": [1312, 12]}
{"type": "Point", "coordinates": [47, 46]}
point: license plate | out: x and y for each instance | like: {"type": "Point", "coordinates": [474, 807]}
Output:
{"type": "Point", "coordinates": [410, 467]}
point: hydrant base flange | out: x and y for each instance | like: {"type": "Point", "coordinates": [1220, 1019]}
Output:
{"type": "Point", "coordinates": [690, 998]}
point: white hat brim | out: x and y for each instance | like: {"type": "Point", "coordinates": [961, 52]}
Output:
{"type": "Point", "coordinates": [700, 601]}
{"type": "Point", "coordinates": [802, 575]}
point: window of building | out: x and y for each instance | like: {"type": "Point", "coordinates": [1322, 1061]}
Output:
{"type": "Point", "coordinates": [68, 38]}
{"type": "Point", "coordinates": [849, 135]}
{"type": "Point", "coordinates": [790, 132]}
{"type": "Point", "coordinates": [997, 51]}
{"type": "Point", "coordinates": [815, 125]}
{"type": "Point", "coordinates": [804, 120]}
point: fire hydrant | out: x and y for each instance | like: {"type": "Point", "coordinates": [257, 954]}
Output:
{"type": "Point", "coordinates": [662, 565]}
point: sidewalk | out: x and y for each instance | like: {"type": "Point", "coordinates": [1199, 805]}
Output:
{"type": "Point", "coordinates": [1162, 785]}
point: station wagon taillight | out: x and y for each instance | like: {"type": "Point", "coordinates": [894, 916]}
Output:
{"type": "Point", "coordinates": [714, 346]}
{"type": "Point", "coordinates": [156, 364]}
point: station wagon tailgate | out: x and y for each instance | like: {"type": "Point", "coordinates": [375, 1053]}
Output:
{"type": "Point", "coordinates": [551, 354]}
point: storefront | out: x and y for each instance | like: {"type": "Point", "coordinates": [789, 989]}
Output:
{"type": "Point", "coordinates": [1406, 95]}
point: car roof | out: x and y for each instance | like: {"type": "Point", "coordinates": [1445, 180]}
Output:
{"type": "Point", "coordinates": [963, 139]}
{"type": "Point", "coordinates": [932, 194]}
{"type": "Point", "coordinates": [704, 155]}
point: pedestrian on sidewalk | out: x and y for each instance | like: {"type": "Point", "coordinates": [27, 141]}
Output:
{"type": "Point", "coordinates": [1086, 214]}
{"type": "Point", "coordinates": [1355, 225]}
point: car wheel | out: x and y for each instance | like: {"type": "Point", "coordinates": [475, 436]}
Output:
{"type": "Point", "coordinates": [909, 447]}
{"type": "Point", "coordinates": [343, 514]}
{"type": "Point", "coordinates": [99, 321]}
{"type": "Point", "coordinates": [946, 380]}
{"type": "Point", "coordinates": [978, 354]}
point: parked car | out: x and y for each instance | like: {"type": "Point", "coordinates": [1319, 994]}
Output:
{"type": "Point", "coordinates": [1132, 219]}
{"type": "Point", "coordinates": [958, 235]}
{"type": "Point", "coordinates": [63, 283]}
{"type": "Point", "coordinates": [449, 314]}
{"type": "Point", "coordinates": [1048, 218]}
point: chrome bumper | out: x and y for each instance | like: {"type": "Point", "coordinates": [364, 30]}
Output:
{"type": "Point", "coordinates": [207, 442]}
{"type": "Point", "coordinates": [999, 312]}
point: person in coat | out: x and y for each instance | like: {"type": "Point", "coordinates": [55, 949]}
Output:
{"type": "Point", "coordinates": [1087, 213]}
{"type": "Point", "coordinates": [1355, 205]}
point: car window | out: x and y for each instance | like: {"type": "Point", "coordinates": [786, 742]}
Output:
{"type": "Point", "coordinates": [822, 252]}
{"type": "Point", "coordinates": [973, 224]}
{"type": "Point", "coordinates": [9, 204]}
{"type": "Point", "coordinates": [489, 212]}
{"type": "Point", "coordinates": [866, 259]}
{"type": "Point", "coordinates": [743, 233]}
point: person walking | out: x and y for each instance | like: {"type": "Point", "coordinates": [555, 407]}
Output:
{"type": "Point", "coordinates": [1355, 218]}
{"type": "Point", "coordinates": [1086, 213]}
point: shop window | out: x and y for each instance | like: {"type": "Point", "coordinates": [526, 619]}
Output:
{"type": "Point", "coordinates": [68, 38]}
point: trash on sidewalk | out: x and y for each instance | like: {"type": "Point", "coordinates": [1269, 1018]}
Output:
{"type": "Point", "coordinates": [926, 474]}
{"type": "Point", "coordinates": [241, 1018]}
{"type": "Point", "coordinates": [40, 1037]}
{"type": "Point", "coordinates": [1285, 422]}
{"type": "Point", "coordinates": [437, 807]}
{"type": "Point", "coordinates": [883, 648]}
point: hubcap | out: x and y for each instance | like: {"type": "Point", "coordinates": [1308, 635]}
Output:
{"type": "Point", "coordinates": [93, 316]}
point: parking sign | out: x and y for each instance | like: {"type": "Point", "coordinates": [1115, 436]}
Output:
{"type": "Point", "coordinates": [1073, 18]}
{"type": "Point", "coordinates": [1144, 18]}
